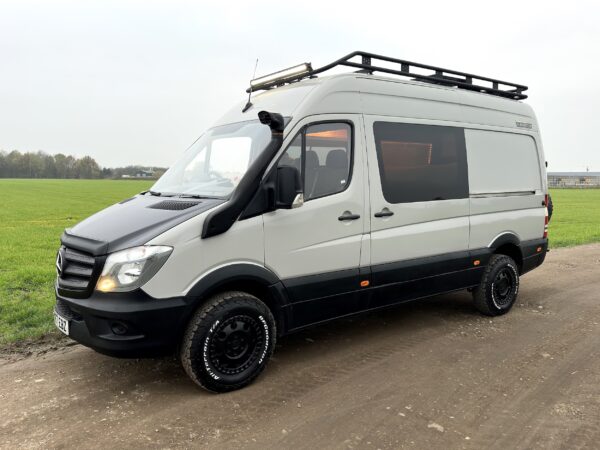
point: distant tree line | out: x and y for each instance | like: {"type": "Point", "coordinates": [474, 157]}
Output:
{"type": "Point", "coordinates": [42, 165]}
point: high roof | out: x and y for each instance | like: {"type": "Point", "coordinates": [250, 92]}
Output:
{"type": "Point", "coordinates": [381, 94]}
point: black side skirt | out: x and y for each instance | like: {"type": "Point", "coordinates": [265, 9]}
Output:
{"type": "Point", "coordinates": [322, 297]}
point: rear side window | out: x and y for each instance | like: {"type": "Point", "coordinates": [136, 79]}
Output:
{"type": "Point", "coordinates": [420, 163]}
{"type": "Point", "coordinates": [323, 154]}
{"type": "Point", "coordinates": [502, 162]}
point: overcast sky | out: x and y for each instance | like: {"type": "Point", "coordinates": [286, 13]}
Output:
{"type": "Point", "coordinates": [135, 82]}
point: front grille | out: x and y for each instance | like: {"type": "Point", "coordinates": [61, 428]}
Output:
{"type": "Point", "coordinates": [77, 272]}
{"type": "Point", "coordinates": [65, 311]}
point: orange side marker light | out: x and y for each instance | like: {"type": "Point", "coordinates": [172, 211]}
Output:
{"type": "Point", "coordinates": [476, 262]}
{"type": "Point", "coordinates": [364, 283]}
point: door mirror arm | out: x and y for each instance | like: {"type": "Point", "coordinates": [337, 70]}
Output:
{"type": "Point", "coordinates": [298, 201]}
{"type": "Point", "coordinates": [288, 188]}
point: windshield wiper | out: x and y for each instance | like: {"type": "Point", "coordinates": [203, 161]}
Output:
{"type": "Point", "coordinates": [197, 196]}
{"type": "Point", "coordinates": [157, 194]}
{"type": "Point", "coordinates": [170, 194]}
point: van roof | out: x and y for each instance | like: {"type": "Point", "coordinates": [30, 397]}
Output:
{"type": "Point", "coordinates": [374, 94]}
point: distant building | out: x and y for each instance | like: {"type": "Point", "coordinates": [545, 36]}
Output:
{"type": "Point", "coordinates": [574, 179]}
{"type": "Point", "coordinates": [144, 174]}
{"type": "Point", "coordinates": [140, 174]}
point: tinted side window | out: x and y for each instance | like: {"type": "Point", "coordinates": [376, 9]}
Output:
{"type": "Point", "coordinates": [327, 159]}
{"type": "Point", "coordinates": [293, 154]}
{"type": "Point", "coordinates": [322, 153]}
{"type": "Point", "coordinates": [419, 163]}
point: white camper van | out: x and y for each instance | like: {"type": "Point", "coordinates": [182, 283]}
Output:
{"type": "Point", "coordinates": [321, 197]}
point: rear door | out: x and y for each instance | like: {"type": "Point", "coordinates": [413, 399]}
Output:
{"type": "Point", "coordinates": [419, 208]}
{"type": "Point", "coordinates": [316, 249]}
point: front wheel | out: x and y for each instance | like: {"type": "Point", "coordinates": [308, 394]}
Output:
{"type": "Point", "coordinates": [499, 286]}
{"type": "Point", "coordinates": [228, 342]}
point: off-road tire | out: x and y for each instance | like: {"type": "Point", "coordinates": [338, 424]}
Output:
{"type": "Point", "coordinates": [486, 296]}
{"type": "Point", "coordinates": [202, 344]}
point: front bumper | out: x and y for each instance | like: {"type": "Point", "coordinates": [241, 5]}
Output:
{"type": "Point", "coordinates": [130, 324]}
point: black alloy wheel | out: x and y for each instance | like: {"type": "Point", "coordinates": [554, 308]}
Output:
{"type": "Point", "coordinates": [503, 287]}
{"type": "Point", "coordinates": [499, 287]}
{"type": "Point", "coordinates": [228, 341]}
{"type": "Point", "coordinates": [236, 344]}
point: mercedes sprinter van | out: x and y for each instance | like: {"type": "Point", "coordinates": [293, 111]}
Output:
{"type": "Point", "coordinates": [318, 198]}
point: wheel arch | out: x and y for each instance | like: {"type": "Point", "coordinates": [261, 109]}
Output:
{"type": "Point", "coordinates": [247, 277]}
{"type": "Point", "coordinates": [508, 244]}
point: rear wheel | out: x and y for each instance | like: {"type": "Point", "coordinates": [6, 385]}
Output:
{"type": "Point", "coordinates": [228, 342]}
{"type": "Point", "coordinates": [499, 286]}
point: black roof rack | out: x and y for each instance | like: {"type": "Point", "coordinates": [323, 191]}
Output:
{"type": "Point", "coordinates": [439, 75]}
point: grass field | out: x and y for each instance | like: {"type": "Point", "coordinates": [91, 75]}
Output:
{"type": "Point", "coordinates": [34, 213]}
{"type": "Point", "coordinates": [576, 218]}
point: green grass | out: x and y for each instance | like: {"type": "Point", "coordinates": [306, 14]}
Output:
{"type": "Point", "coordinates": [576, 217]}
{"type": "Point", "coordinates": [33, 214]}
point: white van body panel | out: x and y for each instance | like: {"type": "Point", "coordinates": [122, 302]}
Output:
{"type": "Point", "coordinates": [488, 110]}
{"type": "Point", "coordinates": [397, 98]}
{"type": "Point", "coordinates": [525, 224]}
{"type": "Point", "coordinates": [397, 241]}
{"type": "Point", "coordinates": [284, 100]}
{"type": "Point", "coordinates": [194, 257]}
{"type": "Point", "coordinates": [306, 240]}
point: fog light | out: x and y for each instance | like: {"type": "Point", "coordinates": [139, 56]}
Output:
{"type": "Point", "coordinates": [106, 284]}
{"type": "Point", "coordinates": [118, 328]}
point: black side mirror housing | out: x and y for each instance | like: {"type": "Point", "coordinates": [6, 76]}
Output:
{"type": "Point", "coordinates": [288, 188]}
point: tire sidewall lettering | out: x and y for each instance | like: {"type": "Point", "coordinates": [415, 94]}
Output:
{"type": "Point", "coordinates": [205, 347]}
{"type": "Point", "coordinates": [267, 339]}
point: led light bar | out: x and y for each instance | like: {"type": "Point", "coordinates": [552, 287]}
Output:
{"type": "Point", "coordinates": [281, 76]}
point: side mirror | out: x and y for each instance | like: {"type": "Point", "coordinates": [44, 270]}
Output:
{"type": "Point", "coordinates": [288, 188]}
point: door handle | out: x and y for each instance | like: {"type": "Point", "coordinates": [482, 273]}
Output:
{"type": "Point", "coordinates": [385, 212]}
{"type": "Point", "coordinates": [348, 216]}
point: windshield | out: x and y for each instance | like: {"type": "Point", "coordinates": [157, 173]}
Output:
{"type": "Point", "coordinates": [214, 164]}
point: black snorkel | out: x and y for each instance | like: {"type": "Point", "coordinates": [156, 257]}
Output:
{"type": "Point", "coordinates": [220, 220]}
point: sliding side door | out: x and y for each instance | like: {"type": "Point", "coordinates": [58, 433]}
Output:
{"type": "Point", "coordinates": [419, 197]}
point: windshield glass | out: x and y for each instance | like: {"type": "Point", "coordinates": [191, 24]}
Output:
{"type": "Point", "coordinates": [214, 164]}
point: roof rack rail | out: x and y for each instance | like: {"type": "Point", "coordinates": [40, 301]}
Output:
{"type": "Point", "coordinates": [439, 75]}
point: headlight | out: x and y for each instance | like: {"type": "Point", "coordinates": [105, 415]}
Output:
{"type": "Point", "coordinates": [129, 269]}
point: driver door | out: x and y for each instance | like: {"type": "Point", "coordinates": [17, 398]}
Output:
{"type": "Point", "coordinates": [316, 249]}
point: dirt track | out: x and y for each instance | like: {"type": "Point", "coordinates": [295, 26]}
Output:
{"type": "Point", "coordinates": [431, 375]}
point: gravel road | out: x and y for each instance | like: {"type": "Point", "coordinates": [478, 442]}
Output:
{"type": "Point", "coordinates": [432, 374]}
